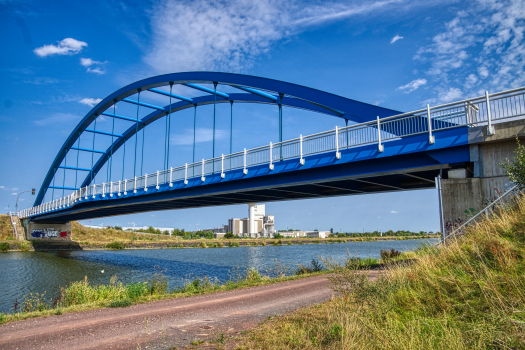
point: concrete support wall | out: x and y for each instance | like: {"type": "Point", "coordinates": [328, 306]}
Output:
{"type": "Point", "coordinates": [467, 191]}
{"type": "Point", "coordinates": [48, 232]}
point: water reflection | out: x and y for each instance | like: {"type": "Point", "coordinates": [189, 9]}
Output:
{"type": "Point", "coordinates": [25, 272]}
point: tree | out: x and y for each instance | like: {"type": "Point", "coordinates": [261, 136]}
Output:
{"type": "Point", "coordinates": [516, 169]}
{"type": "Point", "coordinates": [228, 235]}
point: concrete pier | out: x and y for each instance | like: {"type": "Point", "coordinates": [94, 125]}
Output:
{"type": "Point", "coordinates": [469, 188]}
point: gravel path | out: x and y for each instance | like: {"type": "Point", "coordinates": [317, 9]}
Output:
{"type": "Point", "coordinates": [166, 323]}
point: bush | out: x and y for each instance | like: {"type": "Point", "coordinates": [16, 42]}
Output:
{"type": "Point", "coordinates": [4, 247]}
{"type": "Point", "coordinates": [390, 254]}
{"type": "Point", "coordinates": [228, 235]}
{"type": "Point", "coordinates": [516, 169]}
{"type": "Point", "coordinates": [120, 303]}
{"type": "Point", "coordinates": [278, 235]}
{"type": "Point", "coordinates": [24, 246]}
{"type": "Point", "coordinates": [115, 245]}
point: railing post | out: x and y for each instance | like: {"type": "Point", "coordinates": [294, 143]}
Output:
{"type": "Point", "coordinates": [271, 157]}
{"type": "Point", "coordinates": [245, 171]}
{"type": "Point", "coordinates": [111, 188]}
{"type": "Point", "coordinates": [380, 147]}
{"type": "Point", "coordinates": [490, 128]}
{"type": "Point", "coordinates": [119, 190]}
{"type": "Point", "coordinates": [171, 175]}
{"type": "Point", "coordinates": [301, 161]}
{"type": "Point", "coordinates": [202, 172]}
{"type": "Point", "coordinates": [145, 182]}
{"type": "Point", "coordinates": [186, 174]}
{"type": "Point", "coordinates": [222, 166]}
{"type": "Point", "coordinates": [337, 153]}
{"type": "Point", "coordinates": [135, 188]}
{"type": "Point", "coordinates": [103, 190]}
{"type": "Point", "coordinates": [431, 138]}
{"type": "Point", "coordinates": [157, 187]}
{"type": "Point", "coordinates": [93, 191]}
{"type": "Point", "coordinates": [125, 187]}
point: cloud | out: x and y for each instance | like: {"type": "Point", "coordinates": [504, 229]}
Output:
{"type": "Point", "coordinates": [42, 81]}
{"type": "Point", "coordinates": [57, 118]}
{"type": "Point", "coordinates": [396, 38]}
{"type": "Point", "coordinates": [201, 135]}
{"type": "Point", "coordinates": [68, 46]}
{"type": "Point", "coordinates": [90, 101]}
{"type": "Point", "coordinates": [468, 56]}
{"type": "Point", "coordinates": [220, 35]}
{"type": "Point", "coordinates": [394, 212]}
{"type": "Point", "coordinates": [89, 63]}
{"type": "Point", "coordinates": [14, 194]}
{"type": "Point", "coordinates": [413, 85]}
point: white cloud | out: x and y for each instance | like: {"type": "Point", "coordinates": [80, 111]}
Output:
{"type": "Point", "coordinates": [57, 118]}
{"type": "Point", "coordinates": [487, 53]}
{"type": "Point", "coordinates": [68, 46]}
{"type": "Point", "coordinates": [413, 85]}
{"type": "Point", "coordinates": [14, 194]}
{"type": "Point", "coordinates": [396, 38]}
{"type": "Point", "coordinates": [88, 63]}
{"type": "Point", "coordinates": [90, 101]}
{"type": "Point", "coordinates": [201, 135]}
{"type": "Point", "coordinates": [394, 212]}
{"type": "Point", "coordinates": [14, 189]}
{"type": "Point", "coordinates": [219, 35]}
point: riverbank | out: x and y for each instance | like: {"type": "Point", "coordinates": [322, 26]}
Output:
{"type": "Point", "coordinates": [469, 295]}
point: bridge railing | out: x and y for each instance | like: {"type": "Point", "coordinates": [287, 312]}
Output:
{"type": "Point", "coordinates": [476, 111]}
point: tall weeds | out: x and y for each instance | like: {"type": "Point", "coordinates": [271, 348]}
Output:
{"type": "Point", "coordinates": [470, 295]}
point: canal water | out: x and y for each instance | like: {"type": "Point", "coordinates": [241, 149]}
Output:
{"type": "Point", "coordinates": [36, 272]}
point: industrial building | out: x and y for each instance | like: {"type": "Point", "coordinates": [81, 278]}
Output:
{"type": "Point", "coordinates": [257, 224]}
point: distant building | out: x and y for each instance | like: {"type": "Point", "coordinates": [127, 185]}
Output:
{"type": "Point", "coordinates": [309, 234]}
{"type": "Point", "coordinates": [263, 225]}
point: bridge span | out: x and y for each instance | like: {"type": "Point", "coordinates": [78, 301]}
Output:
{"type": "Point", "coordinates": [382, 150]}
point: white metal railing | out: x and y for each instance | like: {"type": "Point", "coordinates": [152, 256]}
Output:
{"type": "Point", "coordinates": [471, 112]}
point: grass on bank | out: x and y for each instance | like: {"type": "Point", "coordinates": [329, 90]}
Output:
{"type": "Point", "coordinates": [83, 295]}
{"type": "Point", "coordinates": [470, 295]}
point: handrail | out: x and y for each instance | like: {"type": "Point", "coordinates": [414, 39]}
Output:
{"type": "Point", "coordinates": [465, 113]}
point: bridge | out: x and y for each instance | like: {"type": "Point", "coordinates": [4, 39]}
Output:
{"type": "Point", "coordinates": [379, 150]}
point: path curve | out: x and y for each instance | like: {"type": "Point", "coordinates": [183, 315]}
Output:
{"type": "Point", "coordinates": [166, 323]}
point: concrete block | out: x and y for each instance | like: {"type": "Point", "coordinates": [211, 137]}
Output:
{"type": "Point", "coordinates": [457, 174]}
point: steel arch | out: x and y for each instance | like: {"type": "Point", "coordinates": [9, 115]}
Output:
{"type": "Point", "coordinates": [294, 95]}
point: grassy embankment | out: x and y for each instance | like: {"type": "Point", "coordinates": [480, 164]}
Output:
{"type": "Point", "coordinates": [470, 295]}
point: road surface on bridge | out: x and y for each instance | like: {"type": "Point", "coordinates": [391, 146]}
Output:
{"type": "Point", "coordinates": [167, 323]}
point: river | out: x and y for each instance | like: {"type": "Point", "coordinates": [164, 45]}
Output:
{"type": "Point", "coordinates": [38, 272]}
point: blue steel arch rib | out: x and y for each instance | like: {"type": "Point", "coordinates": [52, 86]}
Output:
{"type": "Point", "coordinates": [297, 96]}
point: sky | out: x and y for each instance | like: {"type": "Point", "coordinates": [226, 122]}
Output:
{"type": "Point", "coordinates": [59, 58]}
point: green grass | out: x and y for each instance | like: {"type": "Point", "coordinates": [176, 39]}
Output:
{"type": "Point", "coordinates": [4, 246]}
{"type": "Point", "coordinates": [470, 295]}
{"type": "Point", "coordinates": [115, 245]}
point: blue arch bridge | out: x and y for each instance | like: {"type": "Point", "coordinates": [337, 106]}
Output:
{"type": "Point", "coordinates": [379, 149]}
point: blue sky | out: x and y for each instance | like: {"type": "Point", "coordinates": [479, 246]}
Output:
{"type": "Point", "coordinates": [59, 57]}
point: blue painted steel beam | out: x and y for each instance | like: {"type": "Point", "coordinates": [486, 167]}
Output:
{"type": "Point", "coordinates": [257, 92]}
{"type": "Point", "coordinates": [296, 96]}
{"type": "Point", "coordinates": [119, 117]}
{"type": "Point", "coordinates": [187, 99]}
{"type": "Point", "coordinates": [72, 168]}
{"type": "Point", "coordinates": [63, 188]}
{"type": "Point", "coordinates": [87, 150]}
{"type": "Point", "coordinates": [205, 89]}
{"type": "Point", "coordinates": [102, 132]}
{"type": "Point", "coordinates": [142, 104]}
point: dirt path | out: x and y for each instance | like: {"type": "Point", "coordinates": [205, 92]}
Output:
{"type": "Point", "coordinates": [167, 323]}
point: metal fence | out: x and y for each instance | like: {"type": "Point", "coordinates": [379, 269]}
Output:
{"type": "Point", "coordinates": [466, 113]}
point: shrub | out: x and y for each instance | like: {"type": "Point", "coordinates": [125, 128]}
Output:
{"type": "Point", "coordinates": [278, 235]}
{"type": "Point", "coordinates": [24, 246]}
{"type": "Point", "coordinates": [4, 247]}
{"type": "Point", "coordinates": [115, 246]}
{"type": "Point", "coordinates": [390, 254]}
{"type": "Point", "coordinates": [516, 169]}
{"type": "Point", "coordinates": [120, 303]}
{"type": "Point", "coordinates": [220, 244]}
{"type": "Point", "coordinates": [228, 235]}
{"type": "Point", "coordinates": [203, 245]}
